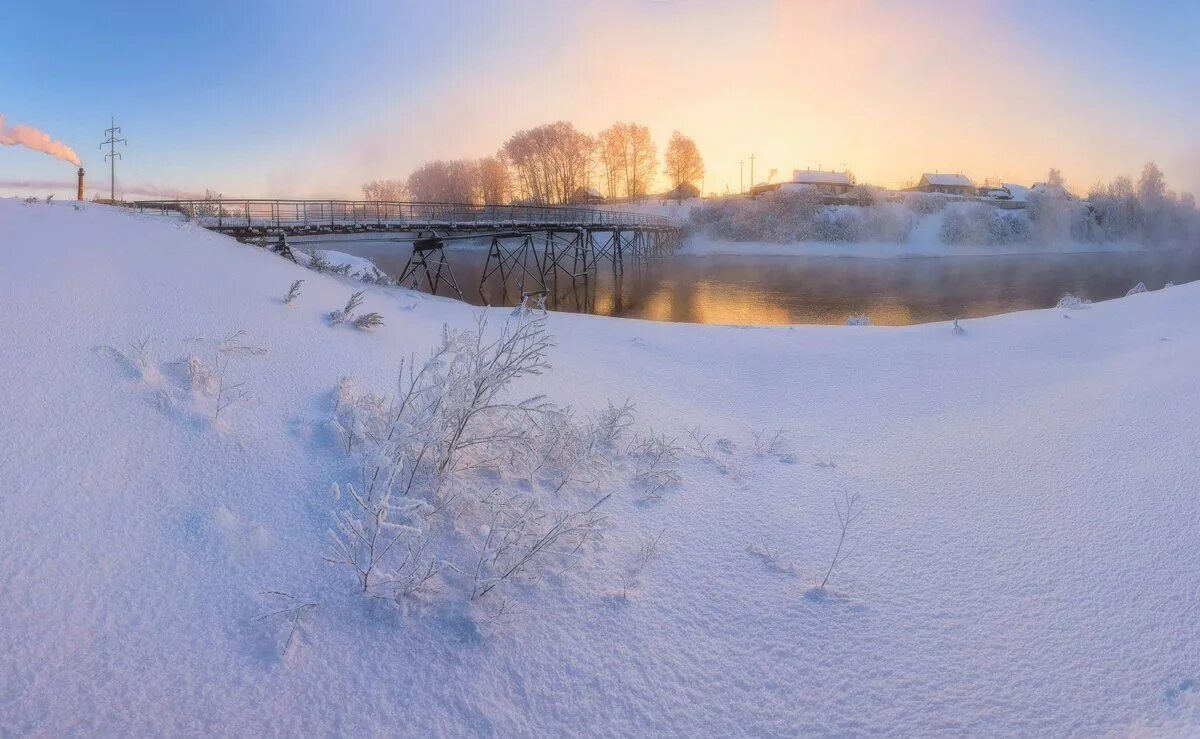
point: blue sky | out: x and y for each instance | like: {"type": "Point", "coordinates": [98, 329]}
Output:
{"type": "Point", "coordinates": [307, 98]}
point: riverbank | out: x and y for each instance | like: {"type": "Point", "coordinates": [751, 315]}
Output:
{"type": "Point", "coordinates": [1024, 562]}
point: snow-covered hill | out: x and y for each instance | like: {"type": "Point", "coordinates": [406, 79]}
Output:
{"type": "Point", "coordinates": [1025, 562]}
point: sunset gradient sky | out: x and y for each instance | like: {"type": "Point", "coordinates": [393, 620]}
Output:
{"type": "Point", "coordinates": [311, 99]}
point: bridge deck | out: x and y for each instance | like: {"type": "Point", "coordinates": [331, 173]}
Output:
{"type": "Point", "coordinates": [345, 216]}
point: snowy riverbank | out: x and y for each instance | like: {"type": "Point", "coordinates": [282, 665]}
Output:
{"type": "Point", "coordinates": [1025, 562]}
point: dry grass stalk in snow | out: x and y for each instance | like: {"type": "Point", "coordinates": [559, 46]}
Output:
{"type": "Point", "coordinates": [656, 457]}
{"type": "Point", "coordinates": [771, 557]}
{"type": "Point", "coordinates": [211, 380]}
{"type": "Point", "coordinates": [288, 610]}
{"type": "Point", "coordinates": [233, 344]}
{"type": "Point", "coordinates": [646, 551]}
{"type": "Point", "coordinates": [347, 313]}
{"type": "Point", "coordinates": [293, 292]}
{"type": "Point", "coordinates": [848, 509]}
{"type": "Point", "coordinates": [368, 321]}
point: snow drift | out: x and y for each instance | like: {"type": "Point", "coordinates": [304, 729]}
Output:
{"type": "Point", "coordinates": [1023, 561]}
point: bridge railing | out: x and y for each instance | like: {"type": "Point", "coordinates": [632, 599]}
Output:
{"type": "Point", "coordinates": [250, 213]}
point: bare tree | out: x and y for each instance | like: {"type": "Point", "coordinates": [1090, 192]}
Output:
{"type": "Point", "coordinates": [684, 163]}
{"type": "Point", "coordinates": [385, 190]}
{"type": "Point", "coordinates": [641, 161]}
{"type": "Point", "coordinates": [551, 161]}
{"type": "Point", "coordinates": [610, 151]}
{"type": "Point", "coordinates": [454, 181]}
{"type": "Point", "coordinates": [495, 180]}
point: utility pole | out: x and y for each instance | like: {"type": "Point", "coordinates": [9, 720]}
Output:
{"type": "Point", "coordinates": [751, 171]}
{"type": "Point", "coordinates": [741, 177]}
{"type": "Point", "coordinates": [112, 156]}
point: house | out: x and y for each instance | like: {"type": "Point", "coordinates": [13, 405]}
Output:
{"type": "Point", "coordinates": [685, 191]}
{"type": "Point", "coordinates": [586, 196]}
{"type": "Point", "coordinates": [947, 184]}
{"type": "Point", "coordinates": [830, 183]}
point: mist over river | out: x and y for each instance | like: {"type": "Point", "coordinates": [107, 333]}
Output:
{"type": "Point", "coordinates": [762, 290]}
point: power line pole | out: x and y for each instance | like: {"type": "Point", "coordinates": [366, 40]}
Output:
{"type": "Point", "coordinates": [112, 156]}
{"type": "Point", "coordinates": [741, 176]}
{"type": "Point", "coordinates": [751, 171]}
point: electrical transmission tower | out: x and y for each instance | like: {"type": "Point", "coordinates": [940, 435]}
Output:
{"type": "Point", "coordinates": [112, 156]}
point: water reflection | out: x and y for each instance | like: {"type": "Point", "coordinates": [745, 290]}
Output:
{"type": "Point", "coordinates": [783, 290]}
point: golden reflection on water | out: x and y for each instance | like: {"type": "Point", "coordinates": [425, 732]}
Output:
{"type": "Point", "coordinates": [711, 303]}
{"type": "Point", "coordinates": [798, 290]}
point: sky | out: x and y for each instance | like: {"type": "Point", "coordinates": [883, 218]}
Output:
{"type": "Point", "coordinates": [311, 99]}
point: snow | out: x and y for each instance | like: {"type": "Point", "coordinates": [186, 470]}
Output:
{"type": "Point", "coordinates": [1026, 561]}
{"type": "Point", "coordinates": [356, 267]}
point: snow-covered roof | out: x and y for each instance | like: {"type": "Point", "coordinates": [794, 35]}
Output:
{"type": "Point", "coordinates": [1018, 191]}
{"type": "Point", "coordinates": [818, 177]}
{"type": "Point", "coordinates": [945, 180]}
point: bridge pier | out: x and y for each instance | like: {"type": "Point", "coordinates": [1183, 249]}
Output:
{"type": "Point", "coordinates": [507, 260]}
{"type": "Point", "coordinates": [427, 252]}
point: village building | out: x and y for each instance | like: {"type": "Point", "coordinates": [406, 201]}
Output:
{"type": "Point", "coordinates": [830, 183]}
{"type": "Point", "coordinates": [946, 184]}
{"type": "Point", "coordinates": [586, 196]}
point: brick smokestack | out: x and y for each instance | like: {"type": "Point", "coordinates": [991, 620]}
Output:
{"type": "Point", "coordinates": [79, 195]}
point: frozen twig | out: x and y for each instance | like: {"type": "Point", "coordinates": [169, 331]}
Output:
{"type": "Point", "coordinates": [848, 509]}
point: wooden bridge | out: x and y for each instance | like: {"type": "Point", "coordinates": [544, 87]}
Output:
{"type": "Point", "coordinates": [531, 245]}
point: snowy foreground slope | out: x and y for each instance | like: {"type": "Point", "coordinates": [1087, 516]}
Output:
{"type": "Point", "coordinates": [1027, 560]}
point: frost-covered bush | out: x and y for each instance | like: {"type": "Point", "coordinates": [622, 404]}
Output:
{"type": "Point", "coordinates": [1072, 302]}
{"type": "Point", "coordinates": [859, 319]}
{"type": "Point", "coordinates": [1054, 218]}
{"type": "Point", "coordinates": [1145, 211]}
{"type": "Point", "coordinates": [793, 216]}
{"type": "Point", "coordinates": [924, 203]}
{"type": "Point", "coordinates": [837, 223]}
{"type": "Point", "coordinates": [464, 489]}
{"type": "Point", "coordinates": [979, 223]}
{"type": "Point", "coordinates": [888, 222]}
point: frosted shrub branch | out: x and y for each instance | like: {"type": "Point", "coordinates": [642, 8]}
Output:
{"type": "Point", "coordinates": [419, 521]}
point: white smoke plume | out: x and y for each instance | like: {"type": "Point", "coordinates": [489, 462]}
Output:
{"type": "Point", "coordinates": [123, 189]}
{"type": "Point", "coordinates": [31, 138]}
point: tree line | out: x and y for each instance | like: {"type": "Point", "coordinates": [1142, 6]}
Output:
{"type": "Point", "coordinates": [554, 164]}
